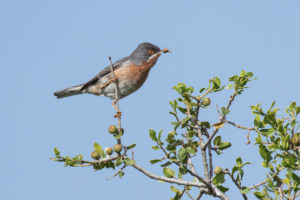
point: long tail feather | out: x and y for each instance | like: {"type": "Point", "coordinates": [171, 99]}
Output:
{"type": "Point", "coordinates": [69, 91]}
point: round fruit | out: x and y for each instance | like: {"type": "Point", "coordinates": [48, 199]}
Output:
{"type": "Point", "coordinates": [118, 148]}
{"type": "Point", "coordinates": [108, 150]}
{"type": "Point", "coordinates": [112, 129]}
{"type": "Point", "coordinates": [218, 170]}
{"type": "Point", "coordinates": [95, 155]}
{"type": "Point", "coordinates": [206, 101]}
{"type": "Point", "coordinates": [295, 140]}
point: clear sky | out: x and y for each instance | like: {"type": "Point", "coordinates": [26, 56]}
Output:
{"type": "Point", "coordinates": [49, 45]}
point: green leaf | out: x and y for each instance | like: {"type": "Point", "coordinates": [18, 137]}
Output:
{"type": "Point", "coordinates": [152, 135]}
{"type": "Point", "coordinates": [119, 161]}
{"type": "Point", "coordinates": [155, 161]}
{"type": "Point", "coordinates": [217, 140]}
{"type": "Point", "coordinates": [130, 146]}
{"type": "Point", "coordinates": [222, 188]}
{"type": "Point", "coordinates": [121, 174]}
{"type": "Point", "coordinates": [191, 150]}
{"type": "Point", "coordinates": [128, 162]}
{"type": "Point", "coordinates": [245, 190]}
{"type": "Point", "coordinates": [166, 164]}
{"type": "Point", "coordinates": [219, 179]}
{"type": "Point", "coordinates": [159, 135]}
{"type": "Point", "coordinates": [56, 151]}
{"type": "Point", "coordinates": [264, 153]}
{"type": "Point", "coordinates": [243, 73]}
{"type": "Point", "coordinates": [229, 86]}
{"type": "Point", "coordinates": [259, 195]}
{"type": "Point", "coordinates": [174, 189]}
{"type": "Point", "coordinates": [224, 145]}
{"type": "Point", "coordinates": [224, 111]}
{"type": "Point", "coordinates": [182, 154]}
{"type": "Point", "coordinates": [239, 162]}
{"type": "Point", "coordinates": [183, 170]}
{"type": "Point", "coordinates": [99, 149]}
{"type": "Point", "coordinates": [156, 147]}
{"type": "Point", "coordinates": [168, 172]}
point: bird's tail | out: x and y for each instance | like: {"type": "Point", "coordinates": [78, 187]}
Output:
{"type": "Point", "coordinates": [69, 91]}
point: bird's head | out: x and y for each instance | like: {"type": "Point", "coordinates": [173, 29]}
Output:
{"type": "Point", "coordinates": [144, 51]}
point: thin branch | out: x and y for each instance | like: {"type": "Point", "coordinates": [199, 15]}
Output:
{"type": "Point", "coordinates": [116, 100]}
{"type": "Point", "coordinates": [238, 126]}
{"type": "Point", "coordinates": [85, 163]}
{"type": "Point", "coordinates": [121, 169]}
{"type": "Point", "coordinates": [200, 195]}
{"type": "Point", "coordinates": [232, 97]}
{"type": "Point", "coordinates": [264, 182]}
{"type": "Point", "coordinates": [169, 180]}
{"type": "Point", "coordinates": [236, 183]}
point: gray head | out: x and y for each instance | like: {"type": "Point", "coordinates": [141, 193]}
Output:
{"type": "Point", "coordinates": [144, 51]}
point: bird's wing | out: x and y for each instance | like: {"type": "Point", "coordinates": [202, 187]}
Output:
{"type": "Point", "coordinates": [104, 72]}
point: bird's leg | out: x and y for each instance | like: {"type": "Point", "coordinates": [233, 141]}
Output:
{"type": "Point", "coordinates": [116, 106]}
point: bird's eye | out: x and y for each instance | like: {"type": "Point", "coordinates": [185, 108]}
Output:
{"type": "Point", "coordinates": [150, 51]}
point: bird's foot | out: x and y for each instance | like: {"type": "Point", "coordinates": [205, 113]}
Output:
{"type": "Point", "coordinates": [118, 114]}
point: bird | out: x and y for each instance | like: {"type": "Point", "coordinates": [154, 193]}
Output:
{"type": "Point", "coordinates": [129, 73]}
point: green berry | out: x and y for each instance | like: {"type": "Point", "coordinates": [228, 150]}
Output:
{"type": "Point", "coordinates": [206, 101]}
{"type": "Point", "coordinates": [118, 148]}
{"type": "Point", "coordinates": [112, 129]}
{"type": "Point", "coordinates": [218, 170]}
{"type": "Point", "coordinates": [295, 140]}
{"type": "Point", "coordinates": [108, 150]}
{"type": "Point", "coordinates": [95, 155]}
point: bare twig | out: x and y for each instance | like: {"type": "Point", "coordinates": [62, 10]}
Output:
{"type": "Point", "coordinates": [169, 180]}
{"type": "Point", "coordinates": [265, 181]}
{"type": "Point", "coordinates": [121, 169]}
{"type": "Point", "coordinates": [238, 126]}
{"type": "Point", "coordinates": [116, 100]}
{"type": "Point", "coordinates": [84, 163]}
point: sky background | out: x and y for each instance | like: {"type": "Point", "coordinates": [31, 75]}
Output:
{"type": "Point", "coordinates": [49, 45]}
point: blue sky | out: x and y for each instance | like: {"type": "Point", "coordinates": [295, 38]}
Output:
{"type": "Point", "coordinates": [50, 45]}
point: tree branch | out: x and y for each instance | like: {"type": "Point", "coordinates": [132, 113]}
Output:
{"type": "Point", "coordinates": [169, 180]}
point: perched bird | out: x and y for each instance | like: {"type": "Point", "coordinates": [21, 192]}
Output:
{"type": "Point", "coordinates": [130, 74]}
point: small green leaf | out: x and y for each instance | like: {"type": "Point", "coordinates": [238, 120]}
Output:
{"type": "Point", "coordinates": [182, 154]}
{"type": "Point", "coordinates": [159, 135]}
{"type": "Point", "coordinates": [224, 145]}
{"type": "Point", "coordinates": [265, 154]}
{"type": "Point", "coordinates": [174, 189]}
{"type": "Point", "coordinates": [152, 135]}
{"type": "Point", "coordinates": [229, 86]}
{"type": "Point", "coordinates": [219, 179]}
{"type": "Point", "coordinates": [119, 161]}
{"type": "Point", "coordinates": [259, 195]}
{"type": "Point", "coordinates": [217, 140]}
{"type": "Point", "coordinates": [56, 151]}
{"type": "Point", "coordinates": [166, 164]}
{"type": "Point", "coordinates": [130, 146]}
{"type": "Point", "coordinates": [224, 111]}
{"type": "Point", "coordinates": [191, 150]}
{"type": "Point", "coordinates": [182, 170]}
{"type": "Point", "coordinates": [99, 149]}
{"type": "Point", "coordinates": [155, 161]}
{"type": "Point", "coordinates": [239, 162]}
{"type": "Point", "coordinates": [168, 172]}
{"type": "Point", "coordinates": [245, 190]}
{"type": "Point", "coordinates": [128, 162]}
{"type": "Point", "coordinates": [222, 188]}
{"type": "Point", "coordinates": [156, 147]}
